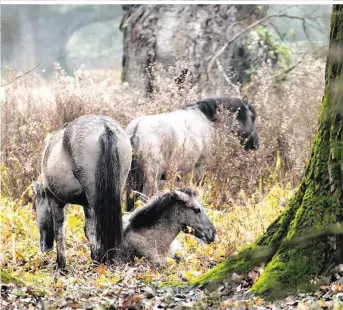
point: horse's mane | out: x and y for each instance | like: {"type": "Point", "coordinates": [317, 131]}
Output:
{"type": "Point", "coordinates": [209, 106]}
{"type": "Point", "coordinates": [148, 215]}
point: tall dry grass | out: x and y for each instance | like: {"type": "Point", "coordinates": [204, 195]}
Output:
{"type": "Point", "coordinates": [287, 121]}
{"type": "Point", "coordinates": [243, 191]}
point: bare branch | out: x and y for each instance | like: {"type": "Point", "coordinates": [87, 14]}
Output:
{"type": "Point", "coordinates": [288, 70]}
{"type": "Point", "coordinates": [220, 67]}
{"type": "Point", "coordinates": [253, 25]}
{"type": "Point", "coordinates": [19, 76]}
{"type": "Point", "coordinates": [281, 36]}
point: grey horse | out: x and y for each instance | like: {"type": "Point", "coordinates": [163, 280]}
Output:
{"type": "Point", "coordinates": [151, 230]}
{"type": "Point", "coordinates": [181, 139]}
{"type": "Point", "coordinates": [85, 162]}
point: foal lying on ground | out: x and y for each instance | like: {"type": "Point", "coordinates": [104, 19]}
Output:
{"type": "Point", "coordinates": [152, 229]}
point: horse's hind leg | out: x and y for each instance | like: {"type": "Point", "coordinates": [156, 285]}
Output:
{"type": "Point", "coordinates": [90, 229]}
{"type": "Point", "coordinates": [59, 229]}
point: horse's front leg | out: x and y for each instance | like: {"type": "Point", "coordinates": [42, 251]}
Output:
{"type": "Point", "coordinates": [58, 213]}
{"type": "Point", "coordinates": [199, 170]}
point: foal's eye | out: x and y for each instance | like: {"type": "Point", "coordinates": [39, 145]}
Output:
{"type": "Point", "coordinates": [197, 210]}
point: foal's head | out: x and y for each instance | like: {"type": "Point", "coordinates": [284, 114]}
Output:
{"type": "Point", "coordinates": [190, 213]}
{"type": "Point", "coordinates": [44, 217]}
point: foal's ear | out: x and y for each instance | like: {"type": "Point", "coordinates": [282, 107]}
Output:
{"type": "Point", "coordinates": [245, 102]}
{"type": "Point", "coordinates": [180, 195]}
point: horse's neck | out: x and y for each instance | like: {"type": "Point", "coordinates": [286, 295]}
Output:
{"type": "Point", "coordinates": [169, 227]}
{"type": "Point", "coordinates": [193, 120]}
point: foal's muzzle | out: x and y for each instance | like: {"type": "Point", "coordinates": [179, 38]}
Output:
{"type": "Point", "coordinates": [208, 235]}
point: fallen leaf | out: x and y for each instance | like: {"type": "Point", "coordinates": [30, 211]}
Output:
{"type": "Point", "coordinates": [127, 302]}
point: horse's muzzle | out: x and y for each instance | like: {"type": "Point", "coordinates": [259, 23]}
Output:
{"type": "Point", "coordinates": [252, 143]}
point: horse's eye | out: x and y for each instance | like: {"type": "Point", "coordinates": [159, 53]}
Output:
{"type": "Point", "coordinates": [197, 210]}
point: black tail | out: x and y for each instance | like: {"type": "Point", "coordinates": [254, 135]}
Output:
{"type": "Point", "coordinates": [135, 179]}
{"type": "Point", "coordinates": [108, 216]}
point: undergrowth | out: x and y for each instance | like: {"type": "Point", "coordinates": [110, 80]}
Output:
{"type": "Point", "coordinates": [22, 258]}
{"type": "Point", "coordinates": [243, 191]}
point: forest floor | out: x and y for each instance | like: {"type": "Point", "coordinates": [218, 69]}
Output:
{"type": "Point", "coordinates": [135, 294]}
{"type": "Point", "coordinates": [140, 285]}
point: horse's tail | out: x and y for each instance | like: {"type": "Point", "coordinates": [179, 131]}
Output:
{"type": "Point", "coordinates": [135, 179]}
{"type": "Point", "coordinates": [108, 215]}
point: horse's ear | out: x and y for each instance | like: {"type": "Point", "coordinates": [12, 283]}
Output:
{"type": "Point", "coordinates": [245, 101]}
{"type": "Point", "coordinates": [36, 186]}
{"type": "Point", "coordinates": [180, 195]}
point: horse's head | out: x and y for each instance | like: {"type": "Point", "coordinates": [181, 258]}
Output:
{"type": "Point", "coordinates": [44, 217]}
{"type": "Point", "coordinates": [244, 113]}
{"type": "Point", "coordinates": [192, 214]}
{"type": "Point", "coordinates": [246, 130]}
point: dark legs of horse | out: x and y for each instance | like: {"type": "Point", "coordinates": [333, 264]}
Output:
{"type": "Point", "coordinates": [200, 170]}
{"type": "Point", "coordinates": [90, 230]}
{"type": "Point", "coordinates": [58, 212]}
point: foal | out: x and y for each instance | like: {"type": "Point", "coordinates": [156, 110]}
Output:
{"type": "Point", "coordinates": [152, 229]}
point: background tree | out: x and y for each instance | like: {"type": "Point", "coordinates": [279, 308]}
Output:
{"type": "Point", "coordinates": [305, 242]}
{"type": "Point", "coordinates": [33, 34]}
{"type": "Point", "coordinates": [163, 34]}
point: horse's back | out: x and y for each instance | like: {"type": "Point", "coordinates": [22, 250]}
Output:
{"type": "Point", "coordinates": [160, 138]}
{"type": "Point", "coordinates": [84, 134]}
{"type": "Point", "coordinates": [77, 147]}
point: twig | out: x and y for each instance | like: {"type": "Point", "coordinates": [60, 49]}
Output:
{"type": "Point", "coordinates": [141, 194]}
{"type": "Point", "coordinates": [227, 79]}
{"type": "Point", "coordinates": [19, 76]}
{"type": "Point", "coordinates": [288, 70]}
{"type": "Point", "coordinates": [253, 25]}
{"type": "Point", "coordinates": [25, 191]}
{"type": "Point", "coordinates": [220, 67]}
{"type": "Point", "coordinates": [78, 279]}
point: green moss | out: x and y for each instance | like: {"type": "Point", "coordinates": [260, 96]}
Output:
{"type": "Point", "coordinates": [285, 274]}
{"type": "Point", "coordinates": [240, 264]}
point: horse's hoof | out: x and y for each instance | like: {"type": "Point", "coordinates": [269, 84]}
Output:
{"type": "Point", "coordinates": [46, 248]}
{"type": "Point", "coordinates": [61, 265]}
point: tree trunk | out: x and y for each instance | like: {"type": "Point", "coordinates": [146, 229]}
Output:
{"type": "Point", "coordinates": [165, 34]}
{"type": "Point", "coordinates": [306, 241]}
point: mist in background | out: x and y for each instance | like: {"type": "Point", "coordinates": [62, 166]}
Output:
{"type": "Point", "coordinates": [89, 35]}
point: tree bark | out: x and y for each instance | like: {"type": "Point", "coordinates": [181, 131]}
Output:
{"type": "Point", "coordinates": [165, 34]}
{"type": "Point", "coordinates": [306, 241]}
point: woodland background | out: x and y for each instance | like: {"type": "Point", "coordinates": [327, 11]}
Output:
{"type": "Point", "coordinates": [126, 61]}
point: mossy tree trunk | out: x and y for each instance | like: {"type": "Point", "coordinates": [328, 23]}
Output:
{"type": "Point", "coordinates": [306, 241]}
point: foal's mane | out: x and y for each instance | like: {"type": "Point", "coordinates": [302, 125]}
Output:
{"type": "Point", "coordinates": [149, 214]}
{"type": "Point", "coordinates": [209, 106]}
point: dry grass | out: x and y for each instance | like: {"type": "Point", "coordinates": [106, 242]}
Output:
{"type": "Point", "coordinates": [244, 191]}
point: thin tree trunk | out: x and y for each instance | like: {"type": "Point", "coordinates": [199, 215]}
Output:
{"type": "Point", "coordinates": [305, 242]}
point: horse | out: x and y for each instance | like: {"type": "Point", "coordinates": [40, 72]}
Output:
{"type": "Point", "coordinates": [84, 162]}
{"type": "Point", "coordinates": [150, 231]}
{"type": "Point", "coordinates": [181, 138]}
